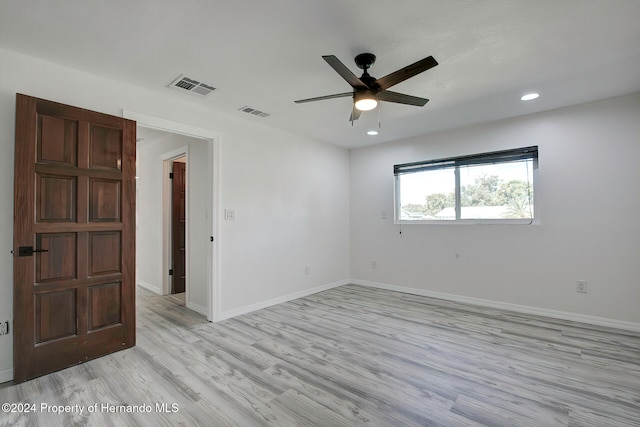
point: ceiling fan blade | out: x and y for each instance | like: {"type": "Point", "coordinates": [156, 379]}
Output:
{"type": "Point", "coordinates": [405, 73]}
{"type": "Point", "coordinates": [320, 98]}
{"type": "Point", "coordinates": [355, 114]}
{"type": "Point", "coordinates": [346, 73]}
{"type": "Point", "coordinates": [401, 98]}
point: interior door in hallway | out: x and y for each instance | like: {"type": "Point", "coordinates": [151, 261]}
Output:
{"type": "Point", "coordinates": [178, 227]}
{"type": "Point", "coordinates": [74, 236]}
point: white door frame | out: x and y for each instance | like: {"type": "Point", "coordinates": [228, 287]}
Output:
{"type": "Point", "coordinates": [213, 138]}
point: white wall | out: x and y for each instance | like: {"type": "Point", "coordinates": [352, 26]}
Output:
{"type": "Point", "coordinates": [297, 201]}
{"type": "Point", "coordinates": [589, 201]}
{"type": "Point", "coordinates": [150, 247]}
{"type": "Point", "coordinates": [289, 192]}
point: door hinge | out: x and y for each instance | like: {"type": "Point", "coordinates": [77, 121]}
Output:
{"type": "Point", "coordinates": [170, 175]}
{"type": "Point", "coordinates": [171, 272]}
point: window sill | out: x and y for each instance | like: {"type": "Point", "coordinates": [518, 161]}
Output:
{"type": "Point", "coordinates": [534, 221]}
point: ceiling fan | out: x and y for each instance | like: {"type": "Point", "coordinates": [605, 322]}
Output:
{"type": "Point", "coordinates": [367, 90]}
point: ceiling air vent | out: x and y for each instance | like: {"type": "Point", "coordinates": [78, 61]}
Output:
{"type": "Point", "coordinates": [251, 110]}
{"type": "Point", "coordinates": [191, 85]}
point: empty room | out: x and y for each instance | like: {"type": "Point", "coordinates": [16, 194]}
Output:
{"type": "Point", "coordinates": [320, 213]}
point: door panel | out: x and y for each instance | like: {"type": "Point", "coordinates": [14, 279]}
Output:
{"type": "Point", "coordinates": [104, 200]}
{"type": "Point", "coordinates": [74, 298]}
{"type": "Point", "coordinates": [56, 315]}
{"type": "Point", "coordinates": [105, 148]}
{"type": "Point", "coordinates": [56, 198]}
{"type": "Point", "coordinates": [104, 305]}
{"type": "Point", "coordinates": [179, 227]}
{"type": "Point", "coordinates": [57, 140]}
{"type": "Point", "coordinates": [104, 253]}
{"type": "Point", "coordinates": [59, 262]}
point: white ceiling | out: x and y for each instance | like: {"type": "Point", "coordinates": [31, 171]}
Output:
{"type": "Point", "coordinates": [266, 54]}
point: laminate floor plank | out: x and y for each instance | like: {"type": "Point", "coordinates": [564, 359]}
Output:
{"type": "Point", "coordinates": [348, 356]}
{"type": "Point", "coordinates": [324, 392]}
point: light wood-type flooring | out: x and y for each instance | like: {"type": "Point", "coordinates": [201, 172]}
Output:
{"type": "Point", "coordinates": [349, 356]}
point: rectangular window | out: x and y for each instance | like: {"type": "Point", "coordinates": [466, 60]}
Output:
{"type": "Point", "coordinates": [494, 187]}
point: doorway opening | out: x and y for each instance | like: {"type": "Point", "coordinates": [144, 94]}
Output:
{"type": "Point", "coordinates": [161, 145]}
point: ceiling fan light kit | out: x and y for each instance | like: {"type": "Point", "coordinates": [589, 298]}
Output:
{"type": "Point", "coordinates": [365, 100]}
{"type": "Point", "coordinates": [368, 90]}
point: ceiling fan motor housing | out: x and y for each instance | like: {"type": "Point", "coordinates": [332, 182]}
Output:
{"type": "Point", "coordinates": [365, 60]}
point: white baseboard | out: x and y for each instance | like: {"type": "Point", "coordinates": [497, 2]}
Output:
{"type": "Point", "coordinates": [197, 308]}
{"type": "Point", "coordinates": [279, 300]}
{"type": "Point", "coordinates": [563, 315]}
{"type": "Point", "coordinates": [149, 287]}
{"type": "Point", "coordinates": [6, 375]}
{"type": "Point", "coordinates": [190, 305]}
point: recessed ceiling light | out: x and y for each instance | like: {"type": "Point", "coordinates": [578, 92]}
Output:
{"type": "Point", "coordinates": [529, 96]}
{"type": "Point", "coordinates": [372, 132]}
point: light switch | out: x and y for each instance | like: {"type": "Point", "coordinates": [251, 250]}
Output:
{"type": "Point", "coordinates": [229, 214]}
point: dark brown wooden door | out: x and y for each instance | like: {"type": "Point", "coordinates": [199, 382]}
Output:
{"type": "Point", "coordinates": [178, 227]}
{"type": "Point", "coordinates": [74, 297]}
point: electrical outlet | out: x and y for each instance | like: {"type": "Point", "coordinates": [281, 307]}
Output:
{"type": "Point", "coordinates": [581, 286]}
{"type": "Point", "coordinates": [4, 328]}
